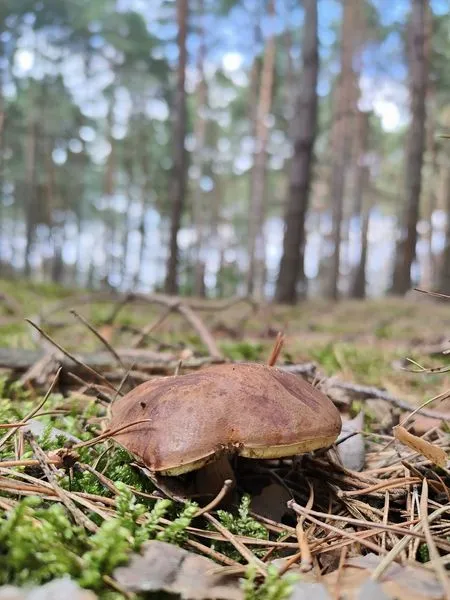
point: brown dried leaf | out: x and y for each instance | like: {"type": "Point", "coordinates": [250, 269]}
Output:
{"type": "Point", "coordinates": [271, 502]}
{"type": "Point", "coordinates": [409, 582]}
{"type": "Point", "coordinates": [353, 582]}
{"type": "Point", "coordinates": [434, 453]}
{"type": "Point", "coordinates": [371, 590]}
{"type": "Point", "coordinates": [351, 452]}
{"type": "Point", "coordinates": [303, 590]}
{"type": "Point", "coordinates": [422, 424]}
{"type": "Point", "coordinates": [167, 567]}
{"type": "Point", "coordinates": [54, 590]}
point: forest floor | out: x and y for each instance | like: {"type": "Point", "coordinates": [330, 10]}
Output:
{"type": "Point", "coordinates": [372, 512]}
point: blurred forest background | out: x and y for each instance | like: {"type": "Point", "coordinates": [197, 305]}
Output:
{"type": "Point", "coordinates": [275, 148]}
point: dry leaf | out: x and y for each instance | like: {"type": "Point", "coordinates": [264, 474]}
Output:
{"type": "Point", "coordinates": [167, 567]}
{"type": "Point", "coordinates": [409, 582]}
{"type": "Point", "coordinates": [434, 453]}
{"type": "Point", "coordinates": [37, 428]}
{"type": "Point", "coordinates": [10, 592]}
{"type": "Point", "coordinates": [398, 582]}
{"type": "Point", "coordinates": [54, 590]}
{"type": "Point", "coordinates": [304, 590]}
{"type": "Point", "coordinates": [371, 590]}
{"type": "Point", "coordinates": [351, 452]}
{"type": "Point", "coordinates": [422, 424]}
{"type": "Point", "coordinates": [381, 413]}
{"type": "Point", "coordinates": [271, 502]}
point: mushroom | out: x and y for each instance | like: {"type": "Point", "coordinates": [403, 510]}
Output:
{"type": "Point", "coordinates": [201, 419]}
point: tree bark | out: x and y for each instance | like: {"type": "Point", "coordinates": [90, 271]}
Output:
{"type": "Point", "coordinates": [178, 186]}
{"type": "Point", "coordinates": [428, 266]}
{"type": "Point", "coordinates": [144, 145]}
{"type": "Point", "coordinates": [128, 166]}
{"type": "Point", "coordinates": [444, 279]}
{"type": "Point", "coordinates": [361, 203]}
{"type": "Point", "coordinates": [30, 174]}
{"type": "Point", "coordinates": [342, 137]}
{"type": "Point", "coordinates": [109, 185]}
{"type": "Point", "coordinates": [358, 289]}
{"type": "Point", "coordinates": [198, 205]}
{"type": "Point", "coordinates": [2, 149]}
{"type": "Point", "coordinates": [305, 127]}
{"type": "Point", "coordinates": [256, 254]}
{"type": "Point", "coordinates": [418, 70]}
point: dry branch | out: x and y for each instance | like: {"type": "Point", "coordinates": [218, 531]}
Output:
{"type": "Point", "coordinates": [174, 303]}
{"type": "Point", "coordinates": [364, 391]}
{"type": "Point", "coordinates": [143, 360]}
{"type": "Point", "coordinates": [162, 299]}
{"type": "Point", "coordinates": [11, 305]}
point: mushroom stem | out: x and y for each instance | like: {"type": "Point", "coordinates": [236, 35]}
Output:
{"type": "Point", "coordinates": [209, 480]}
{"type": "Point", "coordinates": [227, 485]}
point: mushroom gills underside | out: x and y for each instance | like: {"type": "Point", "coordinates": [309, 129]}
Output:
{"type": "Point", "coordinates": [257, 452]}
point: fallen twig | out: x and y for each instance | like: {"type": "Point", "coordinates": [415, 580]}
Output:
{"type": "Point", "coordinates": [373, 392]}
{"type": "Point", "coordinates": [79, 517]}
{"type": "Point", "coordinates": [143, 360]}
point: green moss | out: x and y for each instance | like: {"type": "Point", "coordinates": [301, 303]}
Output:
{"type": "Point", "coordinates": [241, 523]}
{"type": "Point", "coordinates": [423, 553]}
{"type": "Point", "coordinates": [274, 587]}
{"type": "Point", "coordinates": [38, 542]}
{"type": "Point", "coordinates": [367, 364]}
{"type": "Point", "coordinates": [242, 350]}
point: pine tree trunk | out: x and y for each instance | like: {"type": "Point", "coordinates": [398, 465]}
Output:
{"type": "Point", "coordinates": [145, 194]}
{"type": "Point", "coordinates": [128, 165]}
{"type": "Point", "coordinates": [198, 205]}
{"type": "Point", "coordinates": [358, 288]}
{"type": "Point", "coordinates": [361, 204]}
{"type": "Point", "coordinates": [361, 149]}
{"type": "Point", "coordinates": [109, 183]}
{"type": "Point", "coordinates": [178, 182]}
{"type": "Point", "coordinates": [30, 189]}
{"type": "Point", "coordinates": [2, 149]}
{"type": "Point", "coordinates": [428, 267]}
{"type": "Point", "coordinates": [444, 279]}
{"type": "Point", "coordinates": [256, 253]}
{"type": "Point", "coordinates": [289, 83]}
{"type": "Point", "coordinates": [304, 133]}
{"type": "Point", "coordinates": [80, 166]}
{"type": "Point", "coordinates": [418, 71]}
{"type": "Point", "coordinates": [342, 139]}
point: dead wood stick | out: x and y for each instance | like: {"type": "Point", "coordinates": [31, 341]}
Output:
{"type": "Point", "coordinates": [122, 299]}
{"type": "Point", "coordinates": [98, 335]}
{"type": "Point", "coordinates": [175, 303]}
{"type": "Point", "coordinates": [202, 330]}
{"type": "Point", "coordinates": [41, 369]}
{"type": "Point", "coordinates": [11, 305]}
{"type": "Point", "coordinates": [308, 368]}
{"type": "Point", "coordinates": [48, 468]}
{"type": "Point", "coordinates": [146, 331]}
{"type": "Point", "coordinates": [20, 359]}
{"type": "Point", "coordinates": [71, 357]}
{"type": "Point", "coordinates": [373, 392]}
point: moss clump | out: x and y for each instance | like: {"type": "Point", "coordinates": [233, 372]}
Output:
{"type": "Point", "coordinates": [274, 587]}
{"type": "Point", "coordinates": [38, 541]}
{"type": "Point", "coordinates": [243, 350]}
{"type": "Point", "coordinates": [241, 523]}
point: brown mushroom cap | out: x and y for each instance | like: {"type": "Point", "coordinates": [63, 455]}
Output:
{"type": "Point", "coordinates": [253, 410]}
